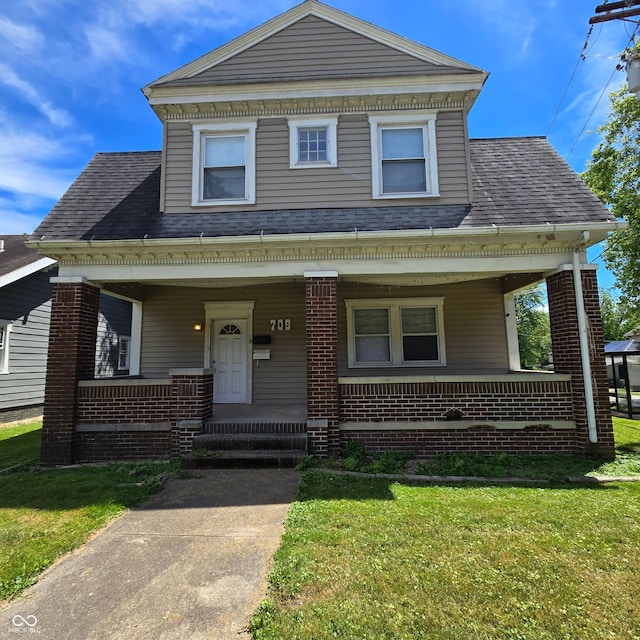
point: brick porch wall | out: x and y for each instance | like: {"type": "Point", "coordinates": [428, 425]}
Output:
{"type": "Point", "coordinates": [72, 347]}
{"type": "Point", "coordinates": [567, 359]}
{"type": "Point", "coordinates": [531, 416]}
{"type": "Point", "coordinates": [533, 400]}
{"type": "Point", "coordinates": [142, 419]}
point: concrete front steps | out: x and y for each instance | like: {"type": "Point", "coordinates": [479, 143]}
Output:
{"type": "Point", "coordinates": [248, 445]}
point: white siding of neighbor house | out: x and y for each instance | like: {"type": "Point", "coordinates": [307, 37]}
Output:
{"type": "Point", "coordinates": [27, 304]}
{"type": "Point", "coordinates": [169, 340]}
{"type": "Point", "coordinates": [347, 185]}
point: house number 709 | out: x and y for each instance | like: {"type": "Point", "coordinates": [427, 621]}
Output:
{"type": "Point", "coordinates": [281, 325]}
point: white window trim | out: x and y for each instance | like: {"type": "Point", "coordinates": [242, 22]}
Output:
{"type": "Point", "coordinates": [4, 351]}
{"type": "Point", "coordinates": [331, 125]}
{"type": "Point", "coordinates": [394, 305]}
{"type": "Point", "coordinates": [121, 341]}
{"type": "Point", "coordinates": [427, 122]}
{"type": "Point", "coordinates": [200, 132]}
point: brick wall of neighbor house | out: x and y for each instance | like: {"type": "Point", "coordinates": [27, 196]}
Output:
{"type": "Point", "coordinates": [322, 364]}
{"type": "Point", "coordinates": [72, 346]}
{"type": "Point", "coordinates": [567, 359]}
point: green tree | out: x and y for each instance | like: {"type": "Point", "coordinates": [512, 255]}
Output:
{"type": "Point", "coordinates": [613, 173]}
{"type": "Point", "coordinates": [617, 317]}
{"type": "Point", "coordinates": [534, 334]}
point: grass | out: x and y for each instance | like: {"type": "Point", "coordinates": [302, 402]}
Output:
{"type": "Point", "coordinates": [44, 513]}
{"type": "Point", "coordinates": [366, 558]}
{"type": "Point", "coordinates": [555, 468]}
{"type": "Point", "coordinates": [20, 444]}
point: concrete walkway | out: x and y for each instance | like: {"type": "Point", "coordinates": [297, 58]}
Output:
{"type": "Point", "coordinates": [191, 563]}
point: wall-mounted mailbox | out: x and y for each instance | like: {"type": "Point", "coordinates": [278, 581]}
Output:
{"type": "Point", "coordinates": [262, 354]}
{"type": "Point", "coordinates": [262, 339]}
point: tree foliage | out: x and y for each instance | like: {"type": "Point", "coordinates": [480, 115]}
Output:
{"type": "Point", "coordinates": [534, 334]}
{"type": "Point", "coordinates": [618, 317]}
{"type": "Point", "coordinates": [613, 173]}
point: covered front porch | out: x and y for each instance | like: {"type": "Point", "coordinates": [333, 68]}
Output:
{"type": "Point", "coordinates": [252, 330]}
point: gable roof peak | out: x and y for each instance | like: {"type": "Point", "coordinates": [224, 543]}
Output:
{"type": "Point", "coordinates": [298, 12]}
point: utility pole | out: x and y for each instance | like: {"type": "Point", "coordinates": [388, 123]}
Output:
{"type": "Point", "coordinates": [620, 10]}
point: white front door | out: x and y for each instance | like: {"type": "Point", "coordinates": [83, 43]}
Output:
{"type": "Point", "coordinates": [230, 347]}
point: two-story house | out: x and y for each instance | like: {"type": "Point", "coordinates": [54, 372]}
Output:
{"type": "Point", "coordinates": [319, 247]}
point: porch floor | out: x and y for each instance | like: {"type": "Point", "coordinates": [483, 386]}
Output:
{"type": "Point", "coordinates": [253, 414]}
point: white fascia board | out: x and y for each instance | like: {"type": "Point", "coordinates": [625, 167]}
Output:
{"type": "Point", "coordinates": [25, 271]}
{"type": "Point", "coordinates": [316, 89]}
{"type": "Point", "coordinates": [302, 10]}
{"type": "Point", "coordinates": [523, 232]}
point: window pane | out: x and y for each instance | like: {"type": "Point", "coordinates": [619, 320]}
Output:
{"type": "Point", "coordinates": [419, 320]}
{"type": "Point", "coordinates": [221, 184]}
{"type": "Point", "coordinates": [312, 145]}
{"type": "Point", "coordinates": [404, 176]}
{"type": "Point", "coordinates": [224, 151]}
{"type": "Point", "coordinates": [420, 348]}
{"type": "Point", "coordinates": [402, 143]}
{"type": "Point", "coordinates": [371, 321]}
{"type": "Point", "coordinates": [373, 349]}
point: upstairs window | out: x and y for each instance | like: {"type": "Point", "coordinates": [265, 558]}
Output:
{"type": "Point", "coordinates": [403, 154]}
{"type": "Point", "coordinates": [313, 143]}
{"type": "Point", "coordinates": [223, 164]}
{"type": "Point", "coordinates": [396, 333]}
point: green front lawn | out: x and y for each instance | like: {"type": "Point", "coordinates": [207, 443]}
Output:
{"type": "Point", "coordinates": [367, 558]}
{"type": "Point", "coordinates": [45, 513]}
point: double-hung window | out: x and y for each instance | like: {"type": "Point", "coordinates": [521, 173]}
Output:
{"type": "Point", "coordinates": [313, 143]}
{"type": "Point", "coordinates": [403, 156]}
{"type": "Point", "coordinates": [5, 330]}
{"type": "Point", "coordinates": [223, 164]}
{"type": "Point", "coordinates": [124, 350]}
{"type": "Point", "coordinates": [396, 333]}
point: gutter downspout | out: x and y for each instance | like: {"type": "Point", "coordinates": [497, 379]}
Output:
{"type": "Point", "coordinates": [584, 344]}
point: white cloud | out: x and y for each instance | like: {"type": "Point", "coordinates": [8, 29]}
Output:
{"type": "Point", "coordinates": [23, 169]}
{"type": "Point", "coordinates": [28, 92]}
{"type": "Point", "coordinates": [26, 38]}
{"type": "Point", "coordinates": [14, 222]}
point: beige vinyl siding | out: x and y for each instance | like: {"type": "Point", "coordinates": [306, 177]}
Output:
{"type": "Point", "coordinates": [347, 185]}
{"type": "Point", "coordinates": [169, 340]}
{"type": "Point", "coordinates": [474, 331]}
{"type": "Point", "coordinates": [313, 48]}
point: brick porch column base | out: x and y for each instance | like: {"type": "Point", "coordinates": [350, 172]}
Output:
{"type": "Point", "coordinates": [565, 342]}
{"type": "Point", "coordinates": [322, 362]}
{"type": "Point", "coordinates": [72, 348]}
{"type": "Point", "coordinates": [192, 394]}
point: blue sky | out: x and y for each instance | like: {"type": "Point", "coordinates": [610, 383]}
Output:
{"type": "Point", "coordinates": [71, 73]}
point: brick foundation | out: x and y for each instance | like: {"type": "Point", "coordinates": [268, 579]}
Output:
{"type": "Point", "coordinates": [322, 364]}
{"type": "Point", "coordinates": [567, 359]}
{"type": "Point", "coordinates": [482, 439]}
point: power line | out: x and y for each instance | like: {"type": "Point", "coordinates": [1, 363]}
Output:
{"type": "Point", "coordinates": [566, 89]}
